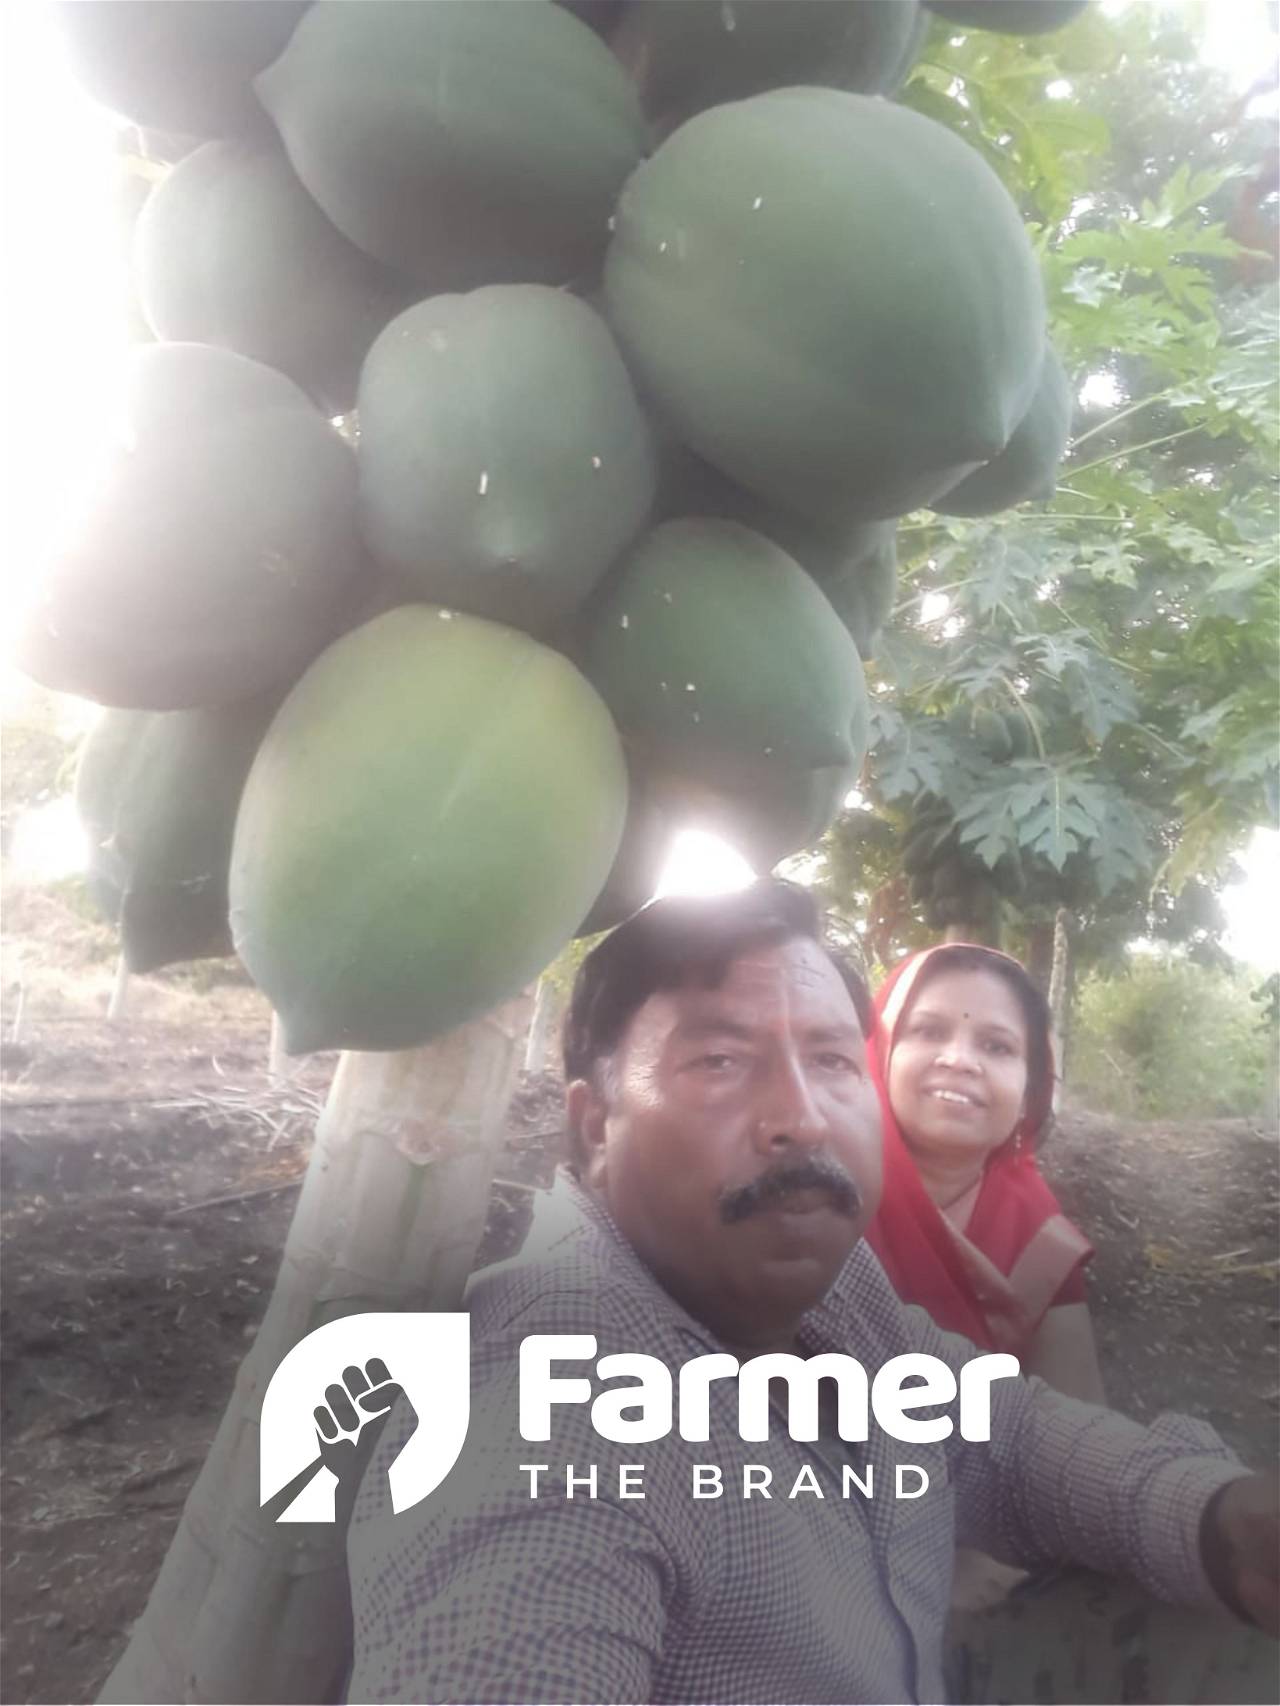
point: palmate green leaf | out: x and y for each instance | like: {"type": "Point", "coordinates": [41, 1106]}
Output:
{"type": "Point", "coordinates": [1110, 560]}
{"type": "Point", "coordinates": [989, 825]}
{"type": "Point", "coordinates": [1001, 571]}
{"type": "Point", "coordinates": [1058, 827]}
{"type": "Point", "coordinates": [1100, 696]}
{"type": "Point", "coordinates": [1091, 285]}
{"type": "Point", "coordinates": [1122, 854]}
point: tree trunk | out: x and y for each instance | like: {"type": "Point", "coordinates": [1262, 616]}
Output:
{"type": "Point", "coordinates": [1040, 955]}
{"type": "Point", "coordinates": [391, 1210]}
{"type": "Point", "coordinates": [535, 1053]}
{"type": "Point", "coordinates": [119, 1002]}
{"type": "Point", "coordinates": [984, 930]}
{"type": "Point", "coordinates": [1059, 987]}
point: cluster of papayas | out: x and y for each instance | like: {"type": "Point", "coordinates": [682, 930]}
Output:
{"type": "Point", "coordinates": [648, 320]}
{"type": "Point", "coordinates": [947, 880]}
{"type": "Point", "coordinates": [1000, 735]}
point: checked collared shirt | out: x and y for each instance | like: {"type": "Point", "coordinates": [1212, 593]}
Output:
{"type": "Point", "coordinates": [483, 1593]}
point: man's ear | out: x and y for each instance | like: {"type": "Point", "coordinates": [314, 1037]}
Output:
{"type": "Point", "coordinates": [586, 1113]}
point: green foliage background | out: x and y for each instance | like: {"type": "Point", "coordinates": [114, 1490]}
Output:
{"type": "Point", "coordinates": [1170, 1039]}
{"type": "Point", "coordinates": [1133, 621]}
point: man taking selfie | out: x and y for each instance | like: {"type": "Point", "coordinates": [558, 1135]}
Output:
{"type": "Point", "coordinates": [724, 1164]}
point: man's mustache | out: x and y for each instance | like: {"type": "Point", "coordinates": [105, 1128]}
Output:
{"type": "Point", "coordinates": [813, 1174]}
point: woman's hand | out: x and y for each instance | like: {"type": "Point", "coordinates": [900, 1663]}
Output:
{"type": "Point", "coordinates": [1063, 1353]}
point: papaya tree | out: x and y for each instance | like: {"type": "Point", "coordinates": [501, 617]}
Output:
{"type": "Point", "coordinates": [1122, 630]}
{"type": "Point", "coordinates": [657, 322]}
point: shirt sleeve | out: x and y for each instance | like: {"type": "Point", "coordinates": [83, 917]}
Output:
{"type": "Point", "coordinates": [483, 1593]}
{"type": "Point", "coordinates": [1062, 1481]}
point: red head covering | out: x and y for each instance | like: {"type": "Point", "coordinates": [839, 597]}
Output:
{"type": "Point", "coordinates": [988, 1283]}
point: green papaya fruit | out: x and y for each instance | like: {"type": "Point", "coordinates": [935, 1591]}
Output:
{"type": "Point", "coordinates": [655, 816]}
{"type": "Point", "coordinates": [1027, 466]}
{"type": "Point", "coordinates": [701, 53]}
{"type": "Point", "coordinates": [950, 878]}
{"type": "Point", "coordinates": [219, 550]}
{"type": "Point", "coordinates": [158, 792]}
{"type": "Point", "coordinates": [713, 645]}
{"type": "Point", "coordinates": [768, 812]}
{"type": "Point", "coordinates": [863, 587]}
{"type": "Point", "coordinates": [830, 298]}
{"type": "Point", "coordinates": [231, 250]}
{"type": "Point", "coordinates": [185, 67]}
{"type": "Point", "coordinates": [504, 460]}
{"type": "Point", "coordinates": [856, 565]}
{"type": "Point", "coordinates": [991, 732]}
{"type": "Point", "coordinates": [1008, 877]}
{"type": "Point", "coordinates": [601, 15]}
{"type": "Point", "coordinates": [100, 766]}
{"type": "Point", "coordinates": [987, 729]}
{"type": "Point", "coordinates": [919, 847]}
{"type": "Point", "coordinates": [1018, 729]}
{"type": "Point", "coordinates": [1009, 17]}
{"type": "Point", "coordinates": [431, 815]}
{"type": "Point", "coordinates": [463, 144]}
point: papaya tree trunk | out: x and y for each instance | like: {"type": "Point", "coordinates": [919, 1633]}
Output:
{"type": "Point", "coordinates": [1059, 989]}
{"type": "Point", "coordinates": [985, 931]}
{"type": "Point", "coordinates": [1040, 955]}
{"type": "Point", "coordinates": [391, 1211]}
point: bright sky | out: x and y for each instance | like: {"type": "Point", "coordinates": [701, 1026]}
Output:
{"type": "Point", "coordinates": [65, 337]}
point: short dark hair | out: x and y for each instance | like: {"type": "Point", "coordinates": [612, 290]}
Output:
{"type": "Point", "coordinates": [969, 956]}
{"type": "Point", "coordinates": [682, 940]}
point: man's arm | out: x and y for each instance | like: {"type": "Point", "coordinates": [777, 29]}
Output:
{"type": "Point", "coordinates": [1064, 1481]}
{"type": "Point", "coordinates": [559, 1601]}
{"type": "Point", "coordinates": [482, 1593]}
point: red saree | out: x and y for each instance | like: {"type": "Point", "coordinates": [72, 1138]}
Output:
{"type": "Point", "coordinates": [1018, 1253]}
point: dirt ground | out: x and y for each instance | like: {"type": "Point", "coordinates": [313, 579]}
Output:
{"type": "Point", "coordinates": [148, 1172]}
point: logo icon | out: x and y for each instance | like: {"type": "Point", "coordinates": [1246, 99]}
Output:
{"type": "Point", "coordinates": [329, 1401]}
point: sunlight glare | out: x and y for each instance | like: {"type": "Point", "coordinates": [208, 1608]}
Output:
{"type": "Point", "coordinates": [934, 606]}
{"type": "Point", "coordinates": [1252, 906]}
{"type": "Point", "coordinates": [66, 303]}
{"type": "Point", "coordinates": [49, 843]}
{"type": "Point", "coordinates": [703, 864]}
{"type": "Point", "coordinates": [1100, 391]}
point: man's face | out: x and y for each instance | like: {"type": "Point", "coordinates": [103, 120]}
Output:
{"type": "Point", "coordinates": [737, 1140]}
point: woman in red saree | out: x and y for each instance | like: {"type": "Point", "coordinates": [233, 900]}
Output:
{"type": "Point", "coordinates": [967, 1226]}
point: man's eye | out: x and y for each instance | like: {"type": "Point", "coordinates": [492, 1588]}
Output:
{"type": "Point", "coordinates": [833, 1062]}
{"type": "Point", "coordinates": [718, 1062]}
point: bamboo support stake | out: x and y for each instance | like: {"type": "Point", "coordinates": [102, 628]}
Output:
{"type": "Point", "coordinates": [391, 1211]}
{"type": "Point", "coordinates": [535, 1054]}
{"type": "Point", "coordinates": [280, 1066]}
{"type": "Point", "coordinates": [119, 1002]}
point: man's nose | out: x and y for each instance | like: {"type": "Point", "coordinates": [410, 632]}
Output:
{"type": "Point", "coordinates": [790, 1116]}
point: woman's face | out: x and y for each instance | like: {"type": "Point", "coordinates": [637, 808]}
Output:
{"type": "Point", "coordinates": [958, 1071]}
